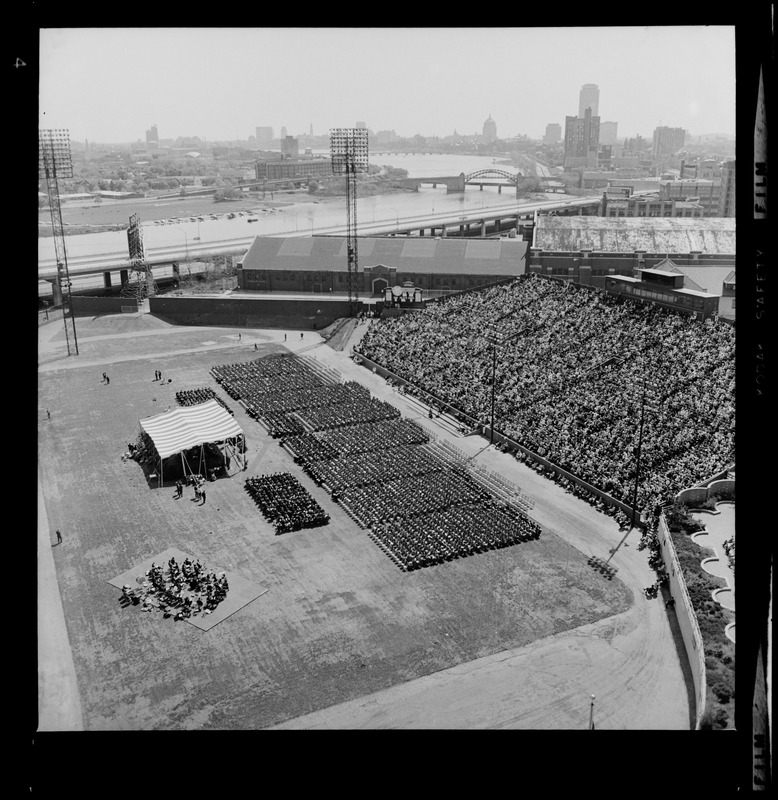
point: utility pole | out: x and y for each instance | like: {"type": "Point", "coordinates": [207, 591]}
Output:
{"type": "Point", "coordinates": [644, 390]}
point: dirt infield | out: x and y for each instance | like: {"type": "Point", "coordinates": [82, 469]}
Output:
{"type": "Point", "coordinates": [342, 637]}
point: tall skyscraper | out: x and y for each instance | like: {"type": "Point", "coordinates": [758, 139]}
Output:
{"type": "Point", "coordinates": [589, 98]}
{"type": "Point", "coordinates": [608, 132]}
{"type": "Point", "coordinates": [668, 140]}
{"type": "Point", "coordinates": [152, 137]}
{"type": "Point", "coordinates": [727, 202]}
{"type": "Point", "coordinates": [553, 133]}
{"type": "Point", "coordinates": [290, 147]}
{"type": "Point", "coordinates": [490, 129]}
{"type": "Point", "coordinates": [582, 140]}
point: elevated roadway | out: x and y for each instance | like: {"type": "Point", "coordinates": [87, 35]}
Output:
{"type": "Point", "coordinates": [441, 223]}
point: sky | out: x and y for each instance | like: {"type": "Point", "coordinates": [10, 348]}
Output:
{"type": "Point", "coordinates": [109, 85]}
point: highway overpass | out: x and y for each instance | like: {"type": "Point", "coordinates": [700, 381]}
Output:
{"type": "Point", "coordinates": [473, 222]}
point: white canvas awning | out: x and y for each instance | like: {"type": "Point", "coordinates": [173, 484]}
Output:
{"type": "Point", "coordinates": [190, 426]}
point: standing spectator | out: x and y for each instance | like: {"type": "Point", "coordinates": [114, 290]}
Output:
{"type": "Point", "coordinates": [202, 497]}
{"type": "Point", "coordinates": [48, 414]}
{"type": "Point", "coordinates": [59, 537]}
{"type": "Point", "coordinates": [107, 380]}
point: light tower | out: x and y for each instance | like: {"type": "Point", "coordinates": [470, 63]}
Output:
{"type": "Point", "coordinates": [141, 283]}
{"type": "Point", "coordinates": [54, 162]}
{"type": "Point", "coordinates": [348, 149]}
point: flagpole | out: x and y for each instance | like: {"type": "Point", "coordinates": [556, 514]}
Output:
{"type": "Point", "coordinates": [591, 715]}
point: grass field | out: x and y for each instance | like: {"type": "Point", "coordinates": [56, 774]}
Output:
{"type": "Point", "coordinates": [339, 619]}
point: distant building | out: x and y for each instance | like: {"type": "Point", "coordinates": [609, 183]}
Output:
{"type": "Point", "coordinates": [708, 169]}
{"type": "Point", "coordinates": [615, 204]}
{"type": "Point", "coordinates": [582, 138]}
{"type": "Point", "coordinates": [360, 124]}
{"type": "Point", "coordinates": [668, 140]}
{"type": "Point", "coordinates": [706, 193]}
{"type": "Point", "coordinates": [589, 97]}
{"type": "Point", "coordinates": [292, 169]}
{"type": "Point", "coordinates": [283, 131]}
{"type": "Point", "coordinates": [386, 137]}
{"type": "Point", "coordinates": [609, 132]}
{"type": "Point", "coordinates": [264, 135]}
{"type": "Point", "coordinates": [152, 137]}
{"type": "Point", "coordinates": [727, 199]}
{"type": "Point", "coordinates": [553, 134]}
{"type": "Point", "coordinates": [693, 260]}
{"type": "Point", "coordinates": [290, 147]}
{"type": "Point", "coordinates": [490, 129]}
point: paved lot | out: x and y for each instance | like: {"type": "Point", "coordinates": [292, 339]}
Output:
{"type": "Point", "coordinates": [517, 638]}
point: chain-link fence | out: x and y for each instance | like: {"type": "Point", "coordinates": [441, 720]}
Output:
{"type": "Point", "coordinates": [49, 314]}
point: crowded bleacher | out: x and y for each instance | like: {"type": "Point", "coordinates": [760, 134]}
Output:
{"type": "Point", "coordinates": [572, 366]}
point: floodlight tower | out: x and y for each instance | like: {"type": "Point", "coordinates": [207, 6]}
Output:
{"type": "Point", "coordinates": [141, 282]}
{"type": "Point", "coordinates": [54, 162]}
{"type": "Point", "coordinates": [348, 149]}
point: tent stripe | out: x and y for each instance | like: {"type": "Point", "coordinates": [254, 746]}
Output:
{"type": "Point", "coordinates": [190, 426]}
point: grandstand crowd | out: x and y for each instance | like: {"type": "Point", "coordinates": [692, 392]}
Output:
{"type": "Point", "coordinates": [576, 370]}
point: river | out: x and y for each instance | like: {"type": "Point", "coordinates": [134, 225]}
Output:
{"type": "Point", "coordinates": [305, 217]}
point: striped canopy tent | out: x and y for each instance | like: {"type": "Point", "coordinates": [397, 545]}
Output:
{"type": "Point", "coordinates": [183, 429]}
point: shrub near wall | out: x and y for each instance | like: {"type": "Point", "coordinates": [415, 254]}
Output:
{"type": "Point", "coordinates": [712, 618]}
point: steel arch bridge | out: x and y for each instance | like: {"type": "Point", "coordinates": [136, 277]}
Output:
{"type": "Point", "coordinates": [492, 173]}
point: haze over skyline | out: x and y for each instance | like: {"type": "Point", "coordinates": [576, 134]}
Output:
{"type": "Point", "coordinates": [110, 84]}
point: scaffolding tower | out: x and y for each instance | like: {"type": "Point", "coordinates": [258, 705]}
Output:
{"type": "Point", "coordinates": [348, 150]}
{"type": "Point", "coordinates": [54, 162]}
{"type": "Point", "coordinates": [140, 283]}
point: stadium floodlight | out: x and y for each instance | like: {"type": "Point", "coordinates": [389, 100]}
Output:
{"type": "Point", "coordinates": [348, 150]}
{"type": "Point", "coordinates": [54, 158]}
{"type": "Point", "coordinates": [54, 162]}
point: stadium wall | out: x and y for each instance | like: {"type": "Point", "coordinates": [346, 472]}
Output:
{"type": "Point", "coordinates": [379, 369]}
{"type": "Point", "coordinates": [687, 619]}
{"type": "Point", "coordinates": [93, 306]}
{"type": "Point", "coordinates": [699, 494]}
{"type": "Point", "coordinates": [304, 314]}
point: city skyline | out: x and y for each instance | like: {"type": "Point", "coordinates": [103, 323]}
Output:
{"type": "Point", "coordinates": [221, 84]}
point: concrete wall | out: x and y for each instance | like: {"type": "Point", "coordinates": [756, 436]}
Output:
{"type": "Point", "coordinates": [313, 314]}
{"type": "Point", "coordinates": [687, 619]}
{"type": "Point", "coordinates": [699, 494]}
{"type": "Point", "coordinates": [92, 306]}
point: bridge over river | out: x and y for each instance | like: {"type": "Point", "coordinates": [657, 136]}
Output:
{"type": "Point", "coordinates": [491, 176]}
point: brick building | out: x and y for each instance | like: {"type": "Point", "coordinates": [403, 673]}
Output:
{"type": "Point", "coordinates": [318, 264]}
{"type": "Point", "coordinates": [600, 251]}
